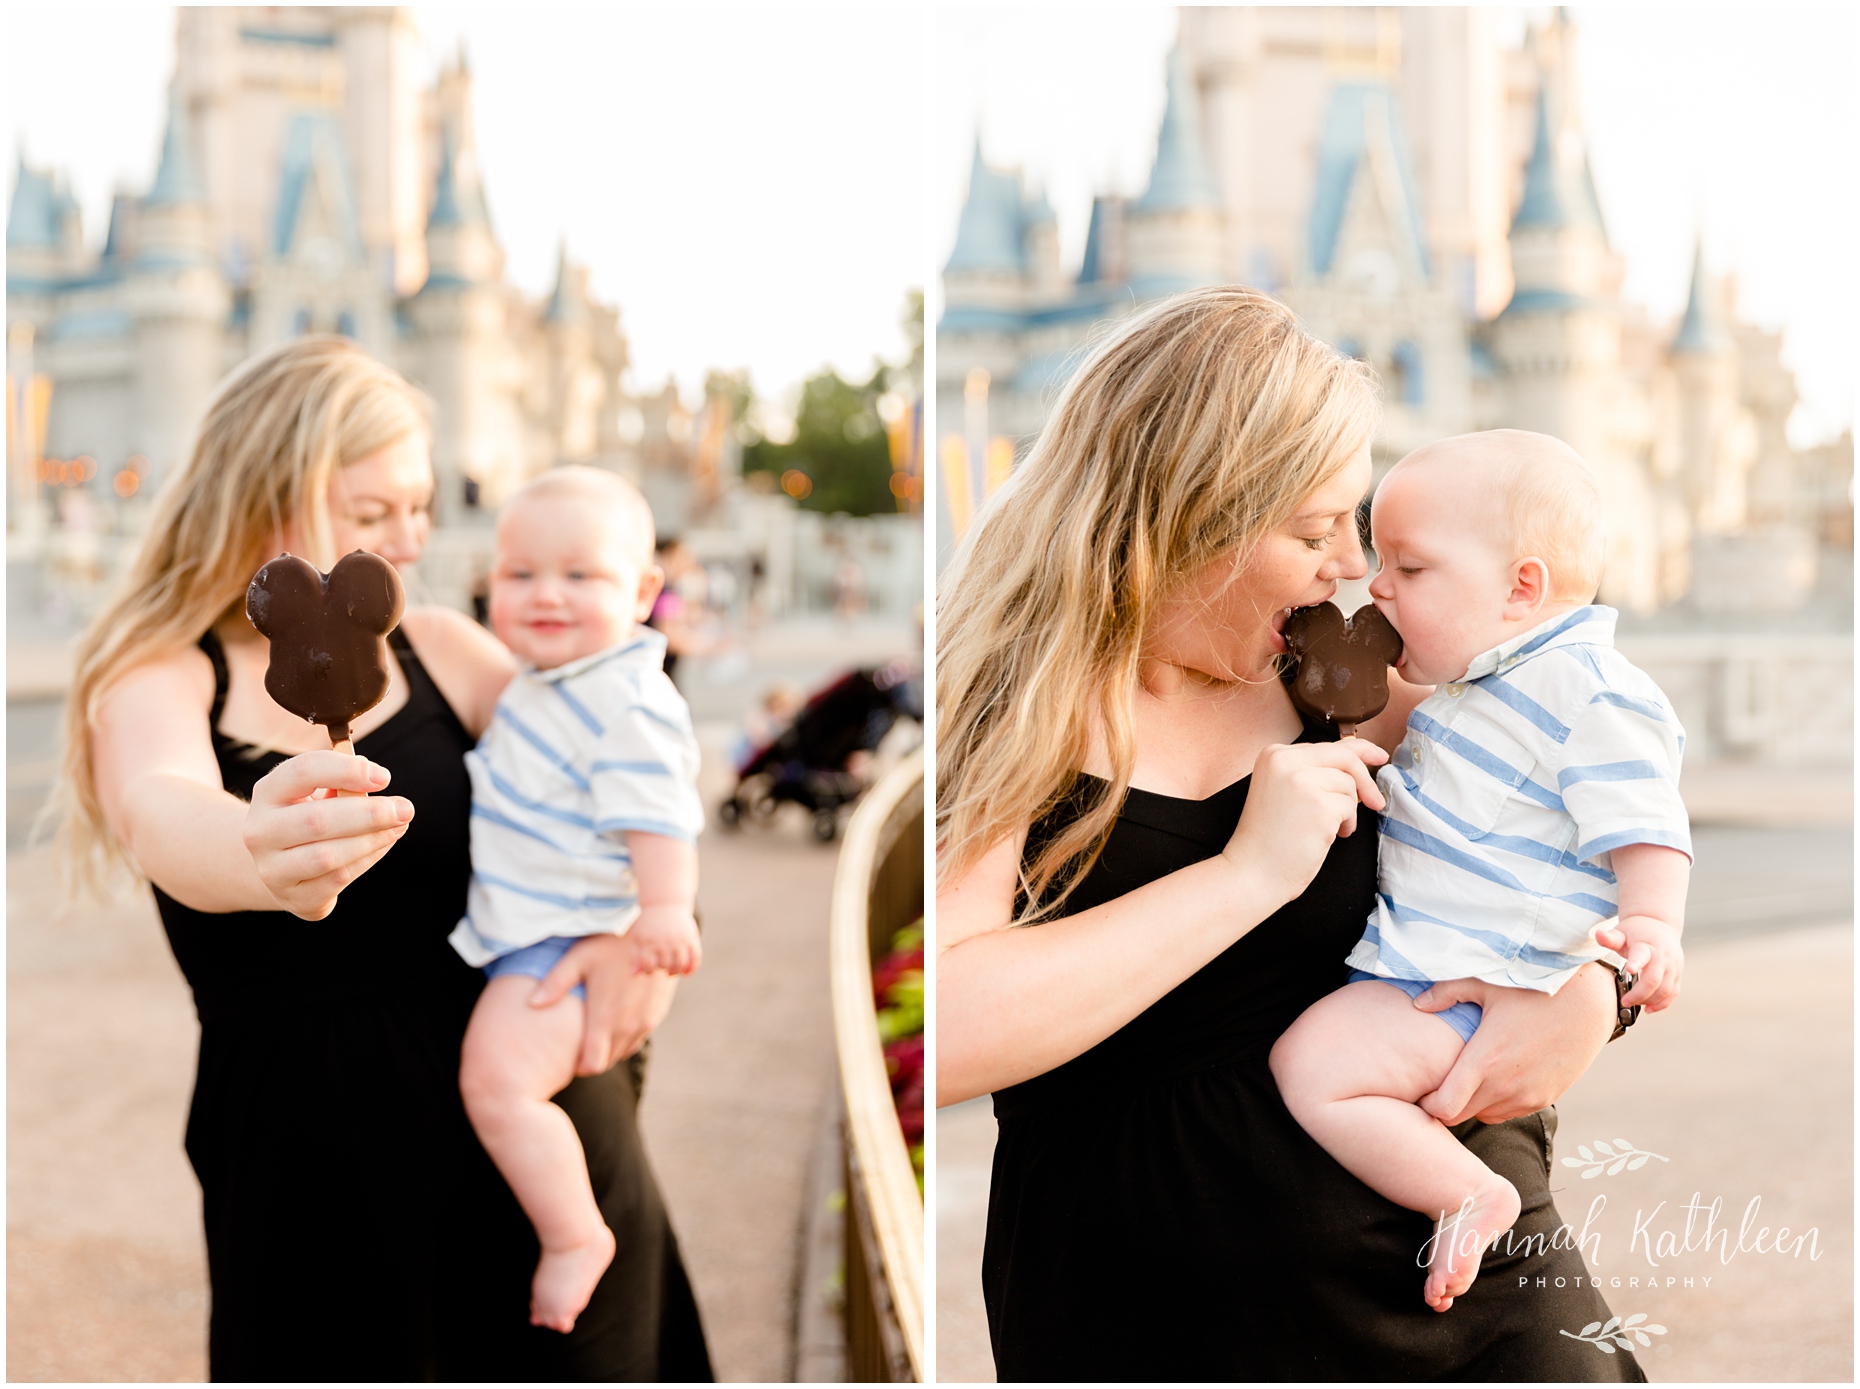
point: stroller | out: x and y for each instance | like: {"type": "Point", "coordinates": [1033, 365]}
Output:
{"type": "Point", "coordinates": [806, 762]}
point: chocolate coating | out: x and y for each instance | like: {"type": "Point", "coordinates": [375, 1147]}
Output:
{"type": "Point", "coordinates": [1343, 663]}
{"type": "Point", "coordinates": [328, 653]}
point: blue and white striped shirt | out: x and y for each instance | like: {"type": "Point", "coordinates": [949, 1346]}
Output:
{"type": "Point", "coordinates": [1504, 800]}
{"type": "Point", "coordinates": [575, 756]}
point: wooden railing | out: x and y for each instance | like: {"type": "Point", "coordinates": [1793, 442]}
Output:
{"type": "Point", "coordinates": [878, 888]}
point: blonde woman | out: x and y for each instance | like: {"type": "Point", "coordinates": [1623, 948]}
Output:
{"type": "Point", "coordinates": [355, 1228]}
{"type": "Point", "coordinates": [1149, 865]}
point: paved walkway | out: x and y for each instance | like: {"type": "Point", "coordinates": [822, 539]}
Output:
{"type": "Point", "coordinates": [106, 1271]}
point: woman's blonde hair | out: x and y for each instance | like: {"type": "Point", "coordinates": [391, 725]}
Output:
{"type": "Point", "coordinates": [1195, 429]}
{"type": "Point", "coordinates": [274, 433]}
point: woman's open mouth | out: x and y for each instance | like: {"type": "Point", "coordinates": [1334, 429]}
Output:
{"type": "Point", "coordinates": [1277, 627]}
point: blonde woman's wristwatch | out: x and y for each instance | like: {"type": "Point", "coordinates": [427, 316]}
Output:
{"type": "Point", "coordinates": [1624, 1015]}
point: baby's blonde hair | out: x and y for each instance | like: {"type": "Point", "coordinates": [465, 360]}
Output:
{"type": "Point", "coordinates": [578, 482]}
{"type": "Point", "coordinates": [1545, 495]}
{"type": "Point", "coordinates": [1197, 426]}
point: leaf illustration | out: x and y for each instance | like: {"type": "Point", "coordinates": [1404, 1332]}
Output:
{"type": "Point", "coordinates": [1656, 1330]}
{"type": "Point", "coordinates": [1635, 1319]}
{"type": "Point", "coordinates": [1602, 1147]}
{"type": "Point", "coordinates": [1619, 1163]}
{"type": "Point", "coordinates": [1624, 1145]}
{"type": "Point", "coordinates": [1603, 1345]}
{"type": "Point", "coordinates": [1639, 1162]}
{"type": "Point", "coordinates": [1574, 1162]}
{"type": "Point", "coordinates": [1592, 1172]}
{"type": "Point", "coordinates": [1583, 1148]}
{"type": "Point", "coordinates": [1641, 1336]}
{"type": "Point", "coordinates": [1590, 1329]}
{"type": "Point", "coordinates": [1610, 1325]}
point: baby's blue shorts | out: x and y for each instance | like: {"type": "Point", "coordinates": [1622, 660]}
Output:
{"type": "Point", "coordinates": [1463, 1018]}
{"type": "Point", "coordinates": [538, 959]}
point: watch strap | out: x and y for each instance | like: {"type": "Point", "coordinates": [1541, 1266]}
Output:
{"type": "Point", "coordinates": [1625, 1017]}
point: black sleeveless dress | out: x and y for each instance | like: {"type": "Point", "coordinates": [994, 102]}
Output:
{"type": "Point", "coordinates": [1156, 1213]}
{"type": "Point", "coordinates": [356, 1230]}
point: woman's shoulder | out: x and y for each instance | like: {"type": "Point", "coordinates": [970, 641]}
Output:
{"type": "Point", "coordinates": [182, 677]}
{"type": "Point", "coordinates": [448, 628]}
{"type": "Point", "coordinates": [468, 664]}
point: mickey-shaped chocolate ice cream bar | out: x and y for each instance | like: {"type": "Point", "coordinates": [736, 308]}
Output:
{"type": "Point", "coordinates": [1343, 663]}
{"type": "Point", "coordinates": [328, 653]}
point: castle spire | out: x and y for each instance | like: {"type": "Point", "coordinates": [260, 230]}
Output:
{"type": "Point", "coordinates": [31, 218]}
{"type": "Point", "coordinates": [1180, 177]}
{"type": "Point", "coordinates": [176, 181]}
{"type": "Point", "coordinates": [1100, 258]}
{"type": "Point", "coordinates": [460, 249]}
{"type": "Point", "coordinates": [458, 192]}
{"type": "Point", "coordinates": [1702, 330]}
{"type": "Point", "coordinates": [988, 233]}
{"type": "Point", "coordinates": [446, 210]}
{"type": "Point", "coordinates": [565, 305]}
{"type": "Point", "coordinates": [1558, 191]}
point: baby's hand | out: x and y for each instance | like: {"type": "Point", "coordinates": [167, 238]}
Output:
{"type": "Point", "coordinates": [1652, 950]}
{"type": "Point", "coordinates": [665, 937]}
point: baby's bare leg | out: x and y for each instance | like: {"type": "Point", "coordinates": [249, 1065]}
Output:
{"type": "Point", "coordinates": [1350, 1070]}
{"type": "Point", "coordinates": [515, 1058]}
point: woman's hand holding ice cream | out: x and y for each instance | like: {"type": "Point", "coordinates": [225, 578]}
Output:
{"type": "Point", "coordinates": [307, 847]}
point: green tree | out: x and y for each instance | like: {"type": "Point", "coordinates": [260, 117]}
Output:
{"type": "Point", "coordinates": [839, 446]}
{"type": "Point", "coordinates": [840, 443]}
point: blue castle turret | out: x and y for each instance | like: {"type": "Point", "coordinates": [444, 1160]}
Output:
{"type": "Point", "coordinates": [1701, 331]}
{"type": "Point", "coordinates": [1176, 230]}
{"type": "Point", "coordinates": [1181, 177]}
{"type": "Point", "coordinates": [177, 183]}
{"type": "Point", "coordinates": [988, 236]}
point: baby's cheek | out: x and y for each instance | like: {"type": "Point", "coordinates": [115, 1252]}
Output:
{"type": "Point", "coordinates": [506, 603]}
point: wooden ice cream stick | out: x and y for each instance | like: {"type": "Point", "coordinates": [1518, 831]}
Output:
{"type": "Point", "coordinates": [340, 741]}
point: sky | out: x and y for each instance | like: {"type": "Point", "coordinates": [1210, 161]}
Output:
{"type": "Point", "coordinates": [746, 184]}
{"type": "Point", "coordinates": [1737, 121]}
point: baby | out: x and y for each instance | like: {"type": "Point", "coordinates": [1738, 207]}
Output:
{"type": "Point", "coordinates": [584, 817]}
{"type": "Point", "coordinates": [1533, 822]}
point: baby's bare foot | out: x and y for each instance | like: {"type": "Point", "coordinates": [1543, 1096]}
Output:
{"type": "Point", "coordinates": [565, 1280]}
{"type": "Point", "coordinates": [1462, 1237]}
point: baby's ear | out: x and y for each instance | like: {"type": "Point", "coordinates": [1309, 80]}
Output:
{"type": "Point", "coordinates": [1530, 582]}
{"type": "Point", "coordinates": [651, 580]}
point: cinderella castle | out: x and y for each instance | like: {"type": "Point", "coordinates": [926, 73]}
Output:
{"type": "Point", "coordinates": [1420, 194]}
{"type": "Point", "coordinates": [309, 182]}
